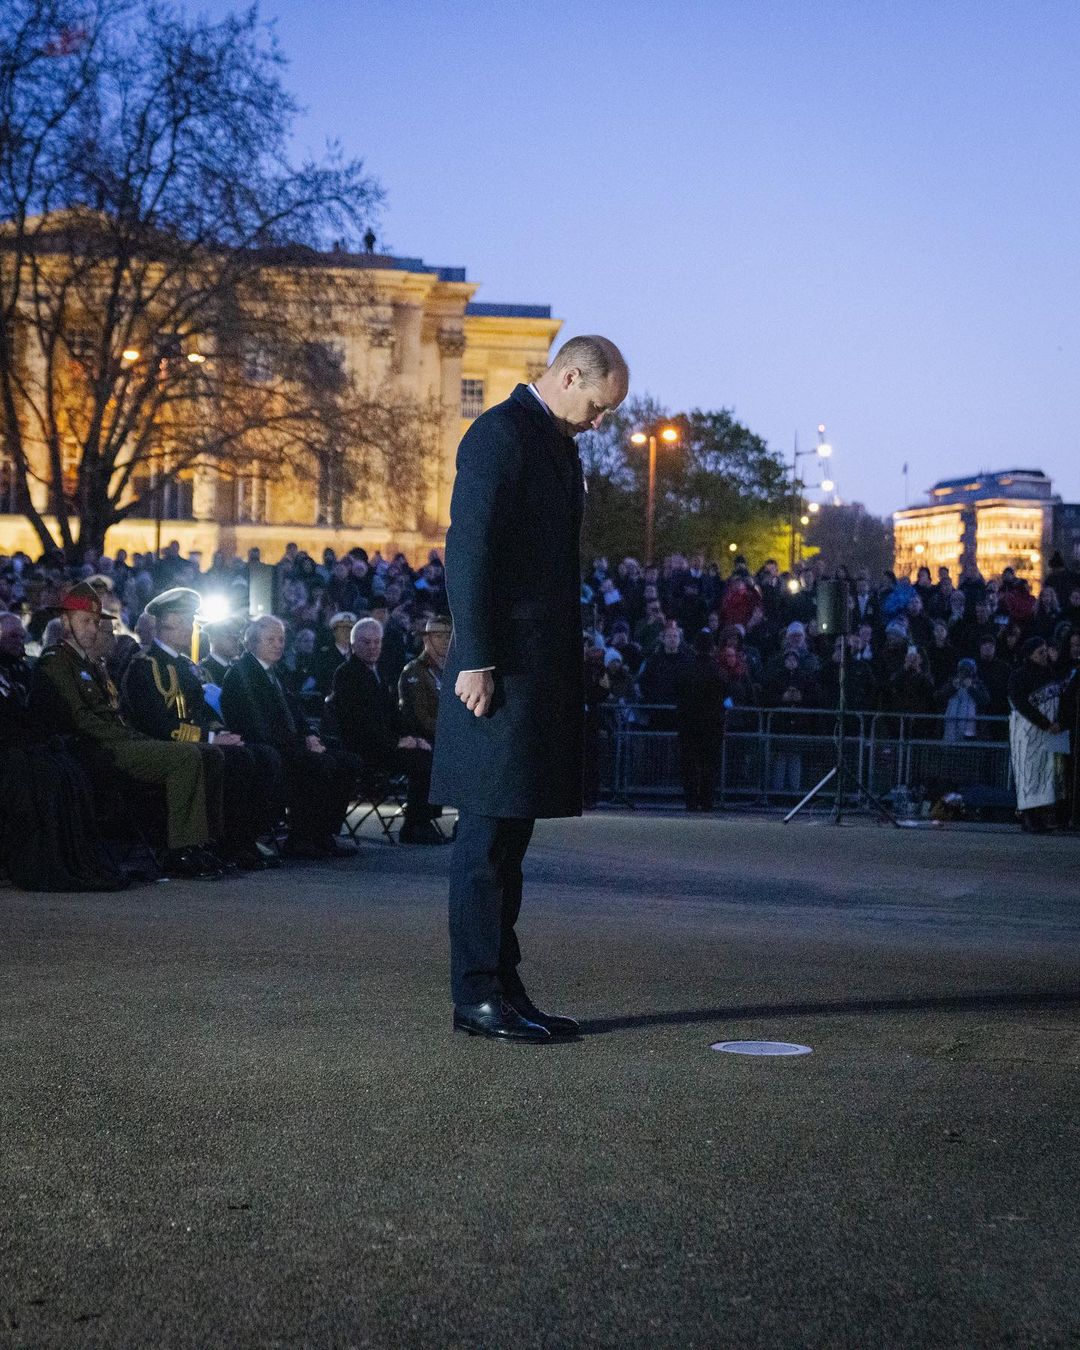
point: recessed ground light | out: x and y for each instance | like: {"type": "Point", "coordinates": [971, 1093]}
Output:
{"type": "Point", "coordinates": [761, 1048]}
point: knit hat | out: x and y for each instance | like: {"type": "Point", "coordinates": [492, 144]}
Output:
{"type": "Point", "coordinates": [1031, 646]}
{"type": "Point", "coordinates": [966, 666]}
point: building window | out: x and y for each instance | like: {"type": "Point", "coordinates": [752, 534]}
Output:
{"type": "Point", "coordinates": [176, 500]}
{"type": "Point", "coordinates": [14, 499]}
{"type": "Point", "coordinates": [251, 498]}
{"type": "Point", "coordinates": [329, 496]}
{"type": "Point", "coordinates": [472, 398]}
{"type": "Point", "coordinates": [258, 362]}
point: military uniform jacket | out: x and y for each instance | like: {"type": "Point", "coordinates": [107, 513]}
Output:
{"type": "Point", "coordinates": [418, 697]}
{"type": "Point", "coordinates": [70, 693]}
{"type": "Point", "coordinates": [163, 696]}
{"type": "Point", "coordinates": [513, 571]}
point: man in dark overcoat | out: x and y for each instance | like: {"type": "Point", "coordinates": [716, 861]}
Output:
{"type": "Point", "coordinates": [319, 782]}
{"type": "Point", "coordinates": [509, 746]}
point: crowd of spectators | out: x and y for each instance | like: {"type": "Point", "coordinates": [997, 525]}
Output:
{"type": "Point", "coordinates": [681, 644]}
{"type": "Point", "coordinates": [279, 725]}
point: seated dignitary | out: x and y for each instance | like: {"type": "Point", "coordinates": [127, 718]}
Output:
{"type": "Point", "coordinates": [319, 783]}
{"type": "Point", "coordinates": [163, 696]}
{"type": "Point", "coordinates": [49, 838]}
{"type": "Point", "coordinates": [328, 658]}
{"type": "Point", "coordinates": [365, 709]}
{"type": "Point", "coordinates": [226, 638]}
{"type": "Point", "coordinates": [71, 694]}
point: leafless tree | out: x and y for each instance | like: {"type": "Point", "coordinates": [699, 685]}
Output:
{"type": "Point", "coordinates": [167, 284]}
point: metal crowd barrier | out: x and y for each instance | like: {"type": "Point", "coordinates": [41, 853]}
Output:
{"type": "Point", "coordinates": [771, 756]}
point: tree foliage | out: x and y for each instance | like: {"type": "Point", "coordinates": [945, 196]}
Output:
{"type": "Point", "coordinates": [151, 208]}
{"type": "Point", "coordinates": [719, 485]}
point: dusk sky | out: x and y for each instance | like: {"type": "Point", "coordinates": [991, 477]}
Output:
{"type": "Point", "coordinates": [866, 214]}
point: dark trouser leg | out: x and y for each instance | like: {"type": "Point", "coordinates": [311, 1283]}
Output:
{"type": "Point", "coordinates": [343, 771]}
{"type": "Point", "coordinates": [270, 791]}
{"type": "Point", "coordinates": [692, 768]}
{"type": "Point", "coordinates": [416, 765]}
{"type": "Point", "coordinates": [241, 797]}
{"type": "Point", "coordinates": [710, 765]}
{"type": "Point", "coordinates": [485, 899]}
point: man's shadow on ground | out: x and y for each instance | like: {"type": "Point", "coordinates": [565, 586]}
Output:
{"type": "Point", "coordinates": [994, 1000]}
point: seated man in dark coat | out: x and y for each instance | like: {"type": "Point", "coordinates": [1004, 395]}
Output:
{"type": "Point", "coordinates": [163, 696]}
{"type": "Point", "coordinates": [365, 709]}
{"type": "Point", "coordinates": [319, 782]}
{"type": "Point", "coordinates": [226, 638]}
{"type": "Point", "coordinates": [329, 657]}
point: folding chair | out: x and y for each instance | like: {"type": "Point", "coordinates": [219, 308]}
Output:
{"type": "Point", "coordinates": [381, 796]}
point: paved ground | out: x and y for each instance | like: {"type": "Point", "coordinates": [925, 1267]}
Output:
{"type": "Point", "coordinates": [233, 1115]}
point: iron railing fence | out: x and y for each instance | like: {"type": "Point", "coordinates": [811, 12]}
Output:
{"type": "Point", "coordinates": [772, 756]}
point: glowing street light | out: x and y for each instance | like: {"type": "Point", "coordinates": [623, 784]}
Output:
{"type": "Point", "coordinates": [733, 548]}
{"type": "Point", "coordinates": [814, 508]}
{"type": "Point", "coordinates": [196, 358]}
{"type": "Point", "coordinates": [669, 435]}
{"type": "Point", "coordinates": [827, 485]}
{"type": "Point", "coordinates": [804, 520]}
{"type": "Point", "coordinates": [130, 354]}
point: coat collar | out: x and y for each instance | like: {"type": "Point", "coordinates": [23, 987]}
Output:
{"type": "Point", "coordinates": [563, 448]}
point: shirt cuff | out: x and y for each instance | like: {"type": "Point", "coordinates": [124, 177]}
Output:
{"type": "Point", "coordinates": [480, 670]}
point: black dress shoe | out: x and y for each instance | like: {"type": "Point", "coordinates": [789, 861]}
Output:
{"type": "Point", "coordinates": [191, 864]}
{"type": "Point", "coordinates": [498, 1020]}
{"type": "Point", "coordinates": [565, 1028]}
{"type": "Point", "coordinates": [268, 854]}
{"type": "Point", "coordinates": [305, 850]}
{"type": "Point", "coordinates": [338, 847]}
{"type": "Point", "coordinates": [424, 833]}
{"type": "Point", "coordinates": [246, 859]}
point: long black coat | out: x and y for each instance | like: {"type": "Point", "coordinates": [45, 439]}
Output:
{"type": "Point", "coordinates": [513, 584]}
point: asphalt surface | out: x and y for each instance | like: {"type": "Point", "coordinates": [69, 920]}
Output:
{"type": "Point", "coordinates": [234, 1114]}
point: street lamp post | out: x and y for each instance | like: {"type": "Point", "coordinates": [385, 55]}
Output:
{"type": "Point", "coordinates": [669, 435]}
{"type": "Point", "coordinates": [822, 450]}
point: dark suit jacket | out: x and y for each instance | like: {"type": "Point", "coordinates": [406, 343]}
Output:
{"type": "Point", "coordinates": [213, 671]}
{"type": "Point", "coordinates": [258, 708]}
{"type": "Point", "coordinates": [365, 713]}
{"type": "Point", "coordinates": [513, 573]}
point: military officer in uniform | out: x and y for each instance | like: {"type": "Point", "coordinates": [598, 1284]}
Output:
{"type": "Point", "coordinates": [71, 694]}
{"type": "Point", "coordinates": [163, 696]}
{"type": "Point", "coordinates": [421, 682]}
{"type": "Point", "coordinates": [510, 742]}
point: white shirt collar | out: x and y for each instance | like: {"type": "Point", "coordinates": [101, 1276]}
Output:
{"type": "Point", "coordinates": [158, 643]}
{"type": "Point", "coordinates": [536, 395]}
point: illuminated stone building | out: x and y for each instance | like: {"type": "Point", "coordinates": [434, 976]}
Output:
{"type": "Point", "coordinates": [988, 520]}
{"type": "Point", "coordinates": [393, 321]}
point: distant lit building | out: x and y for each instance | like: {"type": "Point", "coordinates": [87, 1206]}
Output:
{"type": "Point", "coordinates": [396, 324]}
{"type": "Point", "coordinates": [989, 520]}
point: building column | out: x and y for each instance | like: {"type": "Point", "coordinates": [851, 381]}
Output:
{"type": "Point", "coordinates": [204, 494]}
{"type": "Point", "coordinates": [451, 350]}
{"type": "Point", "coordinates": [408, 323]}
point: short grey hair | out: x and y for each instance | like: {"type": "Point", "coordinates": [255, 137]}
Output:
{"type": "Point", "coordinates": [596, 357]}
{"type": "Point", "coordinates": [361, 624]}
{"type": "Point", "coordinates": [257, 627]}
